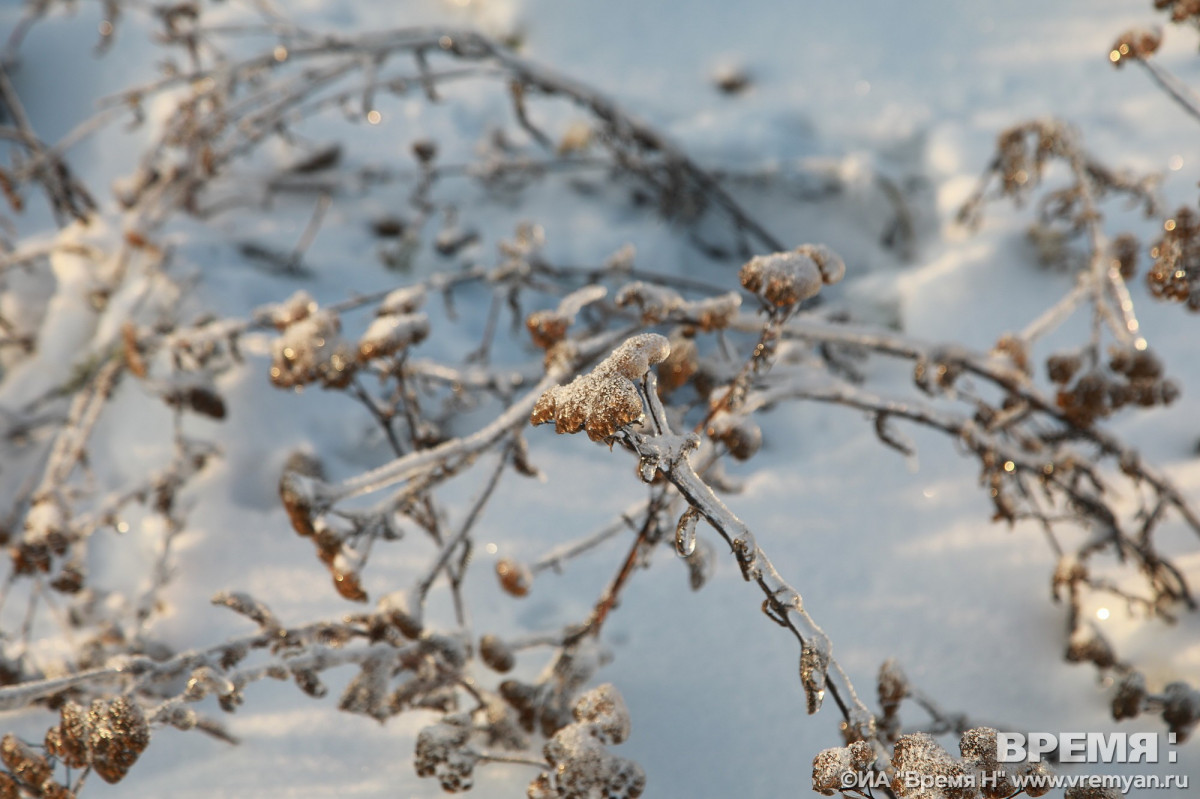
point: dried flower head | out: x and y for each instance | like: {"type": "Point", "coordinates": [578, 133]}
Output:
{"type": "Point", "coordinates": [443, 750]}
{"type": "Point", "coordinates": [831, 766]}
{"type": "Point", "coordinates": [312, 349]}
{"type": "Point", "coordinates": [391, 333]}
{"type": "Point", "coordinates": [606, 399]}
{"type": "Point", "coordinates": [1134, 44]}
{"type": "Point", "coordinates": [786, 278]}
{"type": "Point", "coordinates": [920, 754]}
{"type": "Point", "coordinates": [581, 766]}
{"type": "Point", "coordinates": [549, 327]}
{"type": "Point", "coordinates": [68, 740]}
{"type": "Point", "coordinates": [23, 762]}
{"type": "Point", "coordinates": [659, 304]}
{"type": "Point", "coordinates": [1175, 273]}
{"type": "Point", "coordinates": [118, 734]}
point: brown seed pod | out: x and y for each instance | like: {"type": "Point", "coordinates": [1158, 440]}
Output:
{"type": "Point", "coordinates": [515, 578]}
{"type": "Point", "coordinates": [496, 654]}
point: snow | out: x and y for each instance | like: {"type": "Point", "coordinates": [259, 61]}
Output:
{"type": "Point", "coordinates": [895, 558]}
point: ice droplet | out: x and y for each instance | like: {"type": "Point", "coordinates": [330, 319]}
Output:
{"type": "Point", "coordinates": [685, 532]}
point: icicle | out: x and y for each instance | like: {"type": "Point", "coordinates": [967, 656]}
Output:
{"type": "Point", "coordinates": [685, 532]}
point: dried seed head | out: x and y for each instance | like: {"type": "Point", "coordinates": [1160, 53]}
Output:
{"type": "Point", "coordinates": [396, 608]}
{"type": "Point", "coordinates": [548, 327]}
{"type": "Point", "coordinates": [496, 654]}
{"type": "Point", "coordinates": [312, 349]}
{"type": "Point", "coordinates": [1131, 693]}
{"type": "Point", "coordinates": [786, 278]}
{"type": "Point", "coordinates": [404, 300]}
{"type": "Point", "coordinates": [391, 333]}
{"type": "Point", "coordinates": [604, 707]}
{"type": "Point", "coordinates": [1181, 709]}
{"type": "Point", "coordinates": [1124, 249]}
{"type": "Point", "coordinates": [26, 764]}
{"type": "Point", "coordinates": [118, 734]}
{"type": "Point", "coordinates": [831, 766]}
{"type": "Point", "coordinates": [893, 686]}
{"type": "Point", "coordinates": [1133, 45]}
{"type": "Point", "coordinates": [68, 740]}
{"type": "Point", "coordinates": [443, 750]}
{"type": "Point", "coordinates": [1062, 367]}
{"type": "Point", "coordinates": [919, 753]}
{"type": "Point", "coordinates": [299, 306]}
{"type": "Point", "coordinates": [741, 436]}
{"type": "Point", "coordinates": [1088, 645]}
{"type": "Point", "coordinates": [606, 399]}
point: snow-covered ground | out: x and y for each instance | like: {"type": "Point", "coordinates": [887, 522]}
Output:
{"type": "Point", "coordinates": [895, 558]}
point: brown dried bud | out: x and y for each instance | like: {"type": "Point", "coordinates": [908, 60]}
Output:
{"type": "Point", "coordinates": [515, 578]}
{"type": "Point", "coordinates": [1124, 250]}
{"type": "Point", "coordinates": [424, 150]}
{"type": "Point", "coordinates": [1061, 368]}
{"type": "Point", "coordinates": [348, 585]}
{"type": "Point", "coordinates": [496, 654]}
{"type": "Point", "coordinates": [1131, 692]}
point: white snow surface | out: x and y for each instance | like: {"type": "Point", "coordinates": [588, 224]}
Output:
{"type": "Point", "coordinates": [893, 558]}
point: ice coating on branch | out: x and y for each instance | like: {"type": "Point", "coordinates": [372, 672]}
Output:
{"type": "Point", "coordinates": [685, 532]}
{"type": "Point", "coordinates": [605, 399]}
{"type": "Point", "coordinates": [548, 327]}
{"type": "Point", "coordinates": [786, 278]}
{"type": "Point", "coordinates": [814, 663]}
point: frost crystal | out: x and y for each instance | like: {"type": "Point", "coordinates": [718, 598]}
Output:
{"type": "Point", "coordinates": [786, 278]}
{"type": "Point", "coordinates": [605, 399]}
